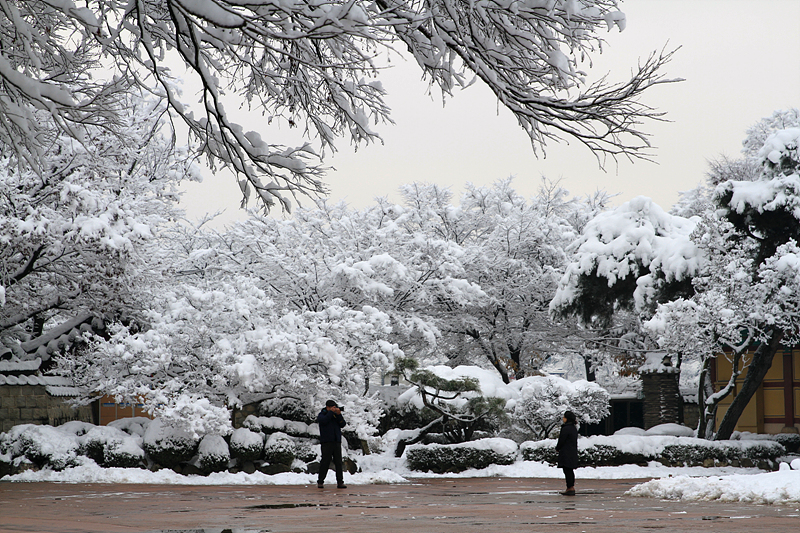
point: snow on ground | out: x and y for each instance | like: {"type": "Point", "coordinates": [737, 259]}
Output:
{"type": "Point", "coordinates": [768, 487]}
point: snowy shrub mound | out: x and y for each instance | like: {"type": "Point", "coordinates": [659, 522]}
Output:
{"type": "Point", "coordinates": [594, 455]}
{"type": "Point", "coordinates": [110, 446]}
{"type": "Point", "coordinates": [279, 449]}
{"type": "Point", "coordinates": [132, 426]}
{"type": "Point", "coordinates": [168, 446]}
{"type": "Point", "coordinates": [44, 446]}
{"type": "Point", "coordinates": [306, 450]}
{"type": "Point", "coordinates": [213, 453]}
{"type": "Point", "coordinates": [790, 441]}
{"type": "Point", "coordinates": [124, 453]}
{"type": "Point", "coordinates": [63, 446]}
{"type": "Point", "coordinates": [246, 445]}
{"type": "Point", "coordinates": [478, 454]}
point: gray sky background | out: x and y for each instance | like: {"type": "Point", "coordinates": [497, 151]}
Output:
{"type": "Point", "coordinates": [740, 60]}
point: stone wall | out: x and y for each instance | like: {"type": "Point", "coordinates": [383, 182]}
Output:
{"type": "Point", "coordinates": [691, 415]}
{"type": "Point", "coordinates": [240, 414]}
{"type": "Point", "coordinates": [31, 404]}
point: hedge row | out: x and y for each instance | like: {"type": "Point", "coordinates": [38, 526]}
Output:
{"type": "Point", "coordinates": [147, 444]}
{"type": "Point", "coordinates": [670, 451]}
{"type": "Point", "coordinates": [439, 458]}
{"type": "Point", "coordinates": [761, 454]}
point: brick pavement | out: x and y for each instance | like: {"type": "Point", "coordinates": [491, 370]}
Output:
{"type": "Point", "coordinates": [477, 505]}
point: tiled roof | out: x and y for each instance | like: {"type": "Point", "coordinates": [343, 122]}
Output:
{"type": "Point", "coordinates": [16, 365]}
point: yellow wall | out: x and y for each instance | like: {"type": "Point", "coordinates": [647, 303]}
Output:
{"type": "Point", "coordinates": [773, 403]}
{"type": "Point", "coordinates": [796, 360]}
{"type": "Point", "coordinates": [767, 402]}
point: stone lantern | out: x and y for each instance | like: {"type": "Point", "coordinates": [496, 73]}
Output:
{"type": "Point", "coordinates": [662, 398]}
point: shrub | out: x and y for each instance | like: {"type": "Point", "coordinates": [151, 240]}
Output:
{"type": "Point", "coordinates": [124, 453]}
{"type": "Point", "coordinates": [272, 424]}
{"type": "Point", "coordinates": [306, 450]}
{"type": "Point", "coordinates": [213, 453]}
{"type": "Point", "coordinates": [43, 445]}
{"type": "Point", "coordinates": [168, 446]}
{"type": "Point", "coordinates": [439, 458]}
{"type": "Point", "coordinates": [279, 449]}
{"type": "Point", "coordinates": [790, 441]}
{"type": "Point", "coordinates": [694, 455]}
{"type": "Point", "coordinates": [247, 445]}
{"type": "Point", "coordinates": [594, 455]}
{"type": "Point", "coordinates": [96, 440]}
{"type": "Point", "coordinates": [288, 409]}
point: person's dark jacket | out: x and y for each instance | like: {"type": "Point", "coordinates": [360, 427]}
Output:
{"type": "Point", "coordinates": [567, 446]}
{"type": "Point", "coordinates": [330, 426]}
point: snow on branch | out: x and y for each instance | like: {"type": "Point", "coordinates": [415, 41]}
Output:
{"type": "Point", "coordinates": [312, 65]}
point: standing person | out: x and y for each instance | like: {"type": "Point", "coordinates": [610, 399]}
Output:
{"type": "Point", "coordinates": [567, 447]}
{"type": "Point", "coordinates": [331, 422]}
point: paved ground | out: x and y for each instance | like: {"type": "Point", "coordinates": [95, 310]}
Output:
{"type": "Point", "coordinates": [435, 506]}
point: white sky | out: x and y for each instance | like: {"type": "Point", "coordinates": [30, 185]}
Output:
{"type": "Point", "coordinates": [740, 59]}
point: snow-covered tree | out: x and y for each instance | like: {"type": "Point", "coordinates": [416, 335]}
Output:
{"type": "Point", "coordinates": [310, 64]}
{"type": "Point", "coordinates": [513, 249]}
{"type": "Point", "coordinates": [469, 282]}
{"type": "Point", "coordinates": [455, 395]}
{"type": "Point", "coordinates": [715, 284]}
{"type": "Point", "coordinates": [625, 262]}
{"type": "Point", "coordinates": [544, 399]}
{"type": "Point", "coordinates": [71, 236]}
{"type": "Point", "coordinates": [209, 344]}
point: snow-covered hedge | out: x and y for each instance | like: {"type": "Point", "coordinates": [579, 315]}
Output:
{"type": "Point", "coordinates": [145, 443]}
{"type": "Point", "coordinates": [440, 458]}
{"type": "Point", "coordinates": [247, 445]}
{"type": "Point", "coordinates": [112, 447]}
{"type": "Point", "coordinates": [213, 453]}
{"type": "Point", "coordinates": [279, 449]}
{"type": "Point", "coordinates": [168, 446]}
{"type": "Point", "coordinates": [790, 441]}
{"type": "Point", "coordinates": [669, 450]}
{"type": "Point", "coordinates": [273, 424]}
{"type": "Point", "coordinates": [41, 445]}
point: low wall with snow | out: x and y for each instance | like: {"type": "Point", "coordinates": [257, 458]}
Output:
{"type": "Point", "coordinates": [32, 404]}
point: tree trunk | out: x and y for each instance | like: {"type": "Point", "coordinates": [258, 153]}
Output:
{"type": "Point", "coordinates": [706, 414]}
{"type": "Point", "coordinates": [516, 356]}
{"type": "Point", "coordinates": [402, 443]}
{"type": "Point", "coordinates": [762, 360]}
{"type": "Point", "coordinates": [587, 365]}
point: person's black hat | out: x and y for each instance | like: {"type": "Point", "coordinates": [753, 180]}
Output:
{"type": "Point", "coordinates": [570, 416]}
{"type": "Point", "coordinates": [330, 403]}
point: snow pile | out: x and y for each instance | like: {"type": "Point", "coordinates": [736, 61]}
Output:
{"type": "Point", "coordinates": [770, 488]}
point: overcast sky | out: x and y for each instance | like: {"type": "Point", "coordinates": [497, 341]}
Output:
{"type": "Point", "coordinates": [740, 60]}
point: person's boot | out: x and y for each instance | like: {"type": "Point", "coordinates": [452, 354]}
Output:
{"type": "Point", "coordinates": [320, 485]}
{"type": "Point", "coordinates": [341, 485]}
{"type": "Point", "coordinates": [569, 492]}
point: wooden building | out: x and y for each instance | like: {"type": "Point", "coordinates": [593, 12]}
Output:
{"type": "Point", "coordinates": [775, 407]}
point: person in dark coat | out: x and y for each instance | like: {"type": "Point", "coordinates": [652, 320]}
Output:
{"type": "Point", "coordinates": [567, 447]}
{"type": "Point", "coordinates": [331, 422]}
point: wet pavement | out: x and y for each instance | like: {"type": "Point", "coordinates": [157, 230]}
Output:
{"type": "Point", "coordinates": [478, 505]}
